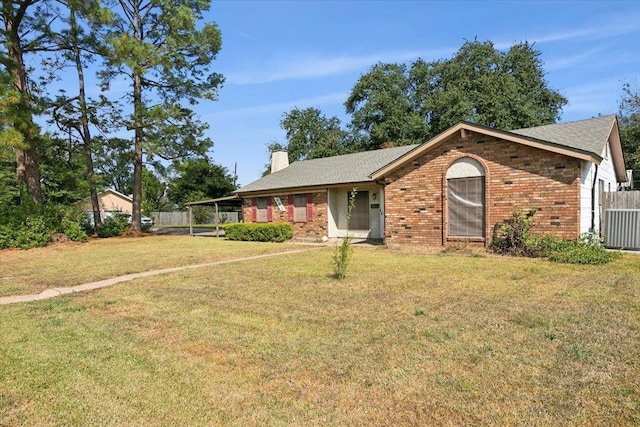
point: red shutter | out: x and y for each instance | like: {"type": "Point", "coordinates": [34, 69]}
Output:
{"type": "Point", "coordinates": [269, 211]}
{"type": "Point", "coordinates": [254, 209]}
{"type": "Point", "coordinates": [290, 207]}
{"type": "Point", "coordinates": [309, 207]}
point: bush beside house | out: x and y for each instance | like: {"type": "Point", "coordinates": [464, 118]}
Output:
{"type": "Point", "coordinates": [259, 232]}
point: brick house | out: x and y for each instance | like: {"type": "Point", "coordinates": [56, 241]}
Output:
{"type": "Point", "coordinates": [455, 187]}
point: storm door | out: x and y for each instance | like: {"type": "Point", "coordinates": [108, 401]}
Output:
{"type": "Point", "coordinates": [360, 213]}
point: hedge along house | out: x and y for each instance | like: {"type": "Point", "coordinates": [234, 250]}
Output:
{"type": "Point", "coordinates": [457, 186]}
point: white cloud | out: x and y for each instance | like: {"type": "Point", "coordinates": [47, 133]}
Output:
{"type": "Point", "coordinates": [280, 107]}
{"type": "Point", "coordinates": [565, 62]}
{"type": "Point", "coordinates": [310, 67]}
{"type": "Point", "coordinates": [604, 27]}
{"type": "Point", "coordinates": [593, 98]}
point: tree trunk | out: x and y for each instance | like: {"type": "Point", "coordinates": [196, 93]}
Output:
{"type": "Point", "coordinates": [27, 168]}
{"type": "Point", "coordinates": [138, 125]}
{"type": "Point", "coordinates": [28, 173]}
{"type": "Point", "coordinates": [136, 214]}
{"type": "Point", "coordinates": [84, 120]}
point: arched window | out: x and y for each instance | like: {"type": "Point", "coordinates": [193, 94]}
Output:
{"type": "Point", "coordinates": [465, 199]}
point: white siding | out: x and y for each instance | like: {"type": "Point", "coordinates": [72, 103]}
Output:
{"type": "Point", "coordinates": [606, 173]}
{"type": "Point", "coordinates": [587, 171]}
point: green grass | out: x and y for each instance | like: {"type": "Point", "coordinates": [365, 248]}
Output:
{"type": "Point", "coordinates": [195, 226]}
{"type": "Point", "coordinates": [34, 270]}
{"type": "Point", "coordinates": [405, 339]}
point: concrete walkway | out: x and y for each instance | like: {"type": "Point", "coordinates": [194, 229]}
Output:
{"type": "Point", "coordinates": [54, 292]}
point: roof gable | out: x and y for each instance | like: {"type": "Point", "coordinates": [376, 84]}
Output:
{"type": "Point", "coordinates": [116, 193]}
{"type": "Point", "coordinates": [585, 140]}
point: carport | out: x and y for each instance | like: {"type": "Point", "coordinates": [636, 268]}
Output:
{"type": "Point", "coordinates": [228, 201]}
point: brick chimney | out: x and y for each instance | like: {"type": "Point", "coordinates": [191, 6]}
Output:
{"type": "Point", "coordinates": [279, 160]}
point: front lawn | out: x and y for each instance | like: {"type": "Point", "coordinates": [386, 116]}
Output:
{"type": "Point", "coordinates": [405, 339]}
{"type": "Point", "coordinates": [34, 270]}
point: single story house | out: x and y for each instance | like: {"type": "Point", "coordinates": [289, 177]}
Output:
{"type": "Point", "coordinates": [455, 187]}
{"type": "Point", "coordinates": [110, 202]}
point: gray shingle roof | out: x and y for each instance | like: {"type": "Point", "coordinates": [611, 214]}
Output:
{"type": "Point", "coordinates": [588, 135]}
{"type": "Point", "coordinates": [345, 169]}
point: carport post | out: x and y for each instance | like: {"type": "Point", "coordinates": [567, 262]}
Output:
{"type": "Point", "coordinates": [190, 221]}
{"type": "Point", "coordinates": [217, 220]}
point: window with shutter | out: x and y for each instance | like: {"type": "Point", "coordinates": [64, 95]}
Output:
{"type": "Point", "coordinates": [300, 207]}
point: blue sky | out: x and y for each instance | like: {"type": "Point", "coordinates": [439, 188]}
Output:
{"type": "Point", "coordinates": [277, 55]}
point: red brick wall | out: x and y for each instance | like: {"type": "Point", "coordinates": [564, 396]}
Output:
{"type": "Point", "coordinates": [517, 176]}
{"type": "Point", "coordinates": [314, 229]}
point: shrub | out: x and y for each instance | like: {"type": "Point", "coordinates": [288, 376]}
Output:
{"type": "Point", "coordinates": [579, 253]}
{"type": "Point", "coordinates": [74, 230]}
{"type": "Point", "coordinates": [113, 226]}
{"type": "Point", "coordinates": [588, 249]}
{"type": "Point", "coordinates": [30, 225]}
{"type": "Point", "coordinates": [34, 232]}
{"type": "Point", "coordinates": [513, 237]}
{"type": "Point", "coordinates": [261, 232]}
{"type": "Point", "coordinates": [7, 236]}
{"type": "Point", "coordinates": [86, 222]}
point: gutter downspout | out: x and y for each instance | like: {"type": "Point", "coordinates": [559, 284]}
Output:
{"type": "Point", "coordinates": [443, 180]}
{"type": "Point", "coordinates": [593, 201]}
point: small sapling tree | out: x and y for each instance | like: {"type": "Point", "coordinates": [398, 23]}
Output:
{"type": "Point", "coordinates": [343, 252]}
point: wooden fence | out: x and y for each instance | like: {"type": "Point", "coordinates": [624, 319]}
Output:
{"type": "Point", "coordinates": [621, 200]}
{"type": "Point", "coordinates": [182, 218]}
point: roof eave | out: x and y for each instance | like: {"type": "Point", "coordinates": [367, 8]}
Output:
{"type": "Point", "coordinates": [299, 189]}
{"type": "Point", "coordinates": [214, 201]}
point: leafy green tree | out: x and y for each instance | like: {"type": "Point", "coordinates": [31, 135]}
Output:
{"type": "Point", "coordinates": [24, 30]}
{"type": "Point", "coordinates": [9, 138]}
{"type": "Point", "coordinates": [79, 44]}
{"type": "Point", "coordinates": [153, 193]}
{"type": "Point", "coordinates": [393, 104]}
{"type": "Point", "coordinates": [504, 90]}
{"type": "Point", "coordinates": [9, 193]}
{"type": "Point", "coordinates": [310, 135]}
{"type": "Point", "coordinates": [382, 105]}
{"type": "Point", "coordinates": [165, 52]}
{"type": "Point", "coordinates": [114, 163]}
{"type": "Point", "coordinates": [198, 179]}
{"type": "Point", "coordinates": [63, 170]}
{"type": "Point", "coordinates": [629, 120]}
